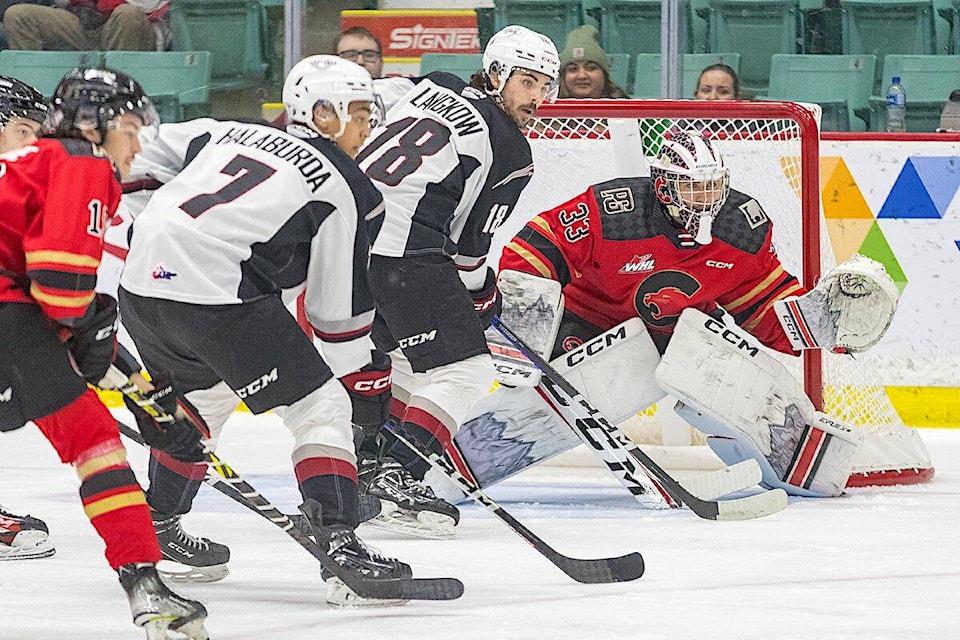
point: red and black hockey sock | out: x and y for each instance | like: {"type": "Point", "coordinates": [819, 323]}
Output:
{"type": "Point", "coordinates": [85, 435]}
{"type": "Point", "coordinates": [429, 432]}
{"type": "Point", "coordinates": [333, 483]}
{"type": "Point", "coordinates": [173, 483]}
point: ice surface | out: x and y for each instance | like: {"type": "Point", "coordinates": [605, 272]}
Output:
{"type": "Point", "coordinates": [878, 563]}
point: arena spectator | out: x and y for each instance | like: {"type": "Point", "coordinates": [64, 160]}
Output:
{"type": "Point", "coordinates": [585, 69]}
{"type": "Point", "coordinates": [717, 82]}
{"type": "Point", "coordinates": [104, 25]}
{"type": "Point", "coordinates": [6, 4]}
{"type": "Point", "coordinates": [357, 44]}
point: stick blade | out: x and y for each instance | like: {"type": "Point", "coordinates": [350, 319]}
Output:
{"type": "Point", "coordinates": [723, 482]}
{"type": "Point", "coordinates": [602, 571]}
{"type": "Point", "coordinates": [755, 506]}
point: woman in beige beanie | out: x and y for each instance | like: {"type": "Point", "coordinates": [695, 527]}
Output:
{"type": "Point", "coordinates": [584, 68]}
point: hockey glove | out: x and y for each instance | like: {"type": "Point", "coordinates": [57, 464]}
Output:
{"type": "Point", "coordinates": [369, 390]}
{"type": "Point", "coordinates": [93, 341]}
{"type": "Point", "coordinates": [486, 301]}
{"type": "Point", "coordinates": [180, 437]}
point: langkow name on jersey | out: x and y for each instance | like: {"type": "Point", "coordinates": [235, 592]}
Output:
{"type": "Point", "coordinates": [307, 160]}
{"type": "Point", "coordinates": [451, 108]}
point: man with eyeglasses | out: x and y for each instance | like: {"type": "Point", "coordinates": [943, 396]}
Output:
{"type": "Point", "coordinates": [357, 44]}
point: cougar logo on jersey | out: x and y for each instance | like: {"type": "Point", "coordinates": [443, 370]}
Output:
{"type": "Point", "coordinates": [661, 297]}
{"type": "Point", "coordinates": [412, 341]}
{"type": "Point", "coordinates": [259, 384]}
{"type": "Point", "coordinates": [6, 395]}
{"type": "Point", "coordinates": [619, 200]}
{"type": "Point", "coordinates": [731, 336]}
{"type": "Point", "coordinates": [639, 264]}
{"type": "Point", "coordinates": [571, 342]}
{"type": "Point", "coordinates": [754, 213]}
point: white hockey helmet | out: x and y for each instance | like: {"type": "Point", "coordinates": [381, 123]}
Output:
{"type": "Point", "coordinates": [691, 179]}
{"type": "Point", "coordinates": [517, 47]}
{"type": "Point", "coordinates": [325, 79]}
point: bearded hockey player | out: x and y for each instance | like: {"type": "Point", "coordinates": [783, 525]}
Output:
{"type": "Point", "coordinates": [694, 260]}
{"type": "Point", "coordinates": [450, 161]}
{"type": "Point", "coordinates": [254, 211]}
{"type": "Point", "coordinates": [57, 196]}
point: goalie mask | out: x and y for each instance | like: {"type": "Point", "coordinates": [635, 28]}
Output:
{"type": "Point", "coordinates": [20, 100]}
{"type": "Point", "coordinates": [516, 48]}
{"type": "Point", "coordinates": [692, 181]}
{"type": "Point", "coordinates": [94, 100]}
{"type": "Point", "coordinates": [325, 81]}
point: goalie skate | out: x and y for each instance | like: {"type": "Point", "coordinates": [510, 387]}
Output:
{"type": "Point", "coordinates": [187, 558]}
{"type": "Point", "coordinates": [23, 537]}
{"type": "Point", "coordinates": [407, 506]}
{"type": "Point", "coordinates": [157, 609]}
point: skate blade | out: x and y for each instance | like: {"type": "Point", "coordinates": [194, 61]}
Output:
{"type": "Point", "coordinates": [425, 524]}
{"type": "Point", "coordinates": [173, 571]}
{"type": "Point", "coordinates": [341, 596]}
{"type": "Point", "coordinates": [31, 552]}
{"type": "Point", "coordinates": [159, 629]}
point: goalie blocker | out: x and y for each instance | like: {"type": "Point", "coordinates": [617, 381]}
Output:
{"type": "Point", "coordinates": [732, 388]}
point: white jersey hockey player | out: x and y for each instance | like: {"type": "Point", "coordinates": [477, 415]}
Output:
{"type": "Point", "coordinates": [253, 211]}
{"type": "Point", "coordinates": [451, 161]}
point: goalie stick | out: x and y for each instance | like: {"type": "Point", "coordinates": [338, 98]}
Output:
{"type": "Point", "coordinates": [231, 484]}
{"type": "Point", "coordinates": [613, 446]}
{"type": "Point", "coordinates": [588, 571]}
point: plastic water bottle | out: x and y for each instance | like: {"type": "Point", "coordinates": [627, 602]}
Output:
{"type": "Point", "coordinates": [896, 107]}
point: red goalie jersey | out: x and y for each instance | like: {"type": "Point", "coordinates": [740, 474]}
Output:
{"type": "Point", "coordinates": [618, 255]}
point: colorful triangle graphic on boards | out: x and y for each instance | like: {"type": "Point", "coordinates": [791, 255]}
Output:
{"type": "Point", "coordinates": [941, 177]}
{"type": "Point", "coordinates": [909, 197]}
{"type": "Point", "coordinates": [839, 191]}
{"type": "Point", "coordinates": [875, 246]}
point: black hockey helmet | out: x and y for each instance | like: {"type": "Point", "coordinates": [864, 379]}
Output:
{"type": "Point", "coordinates": [20, 100]}
{"type": "Point", "coordinates": [89, 99]}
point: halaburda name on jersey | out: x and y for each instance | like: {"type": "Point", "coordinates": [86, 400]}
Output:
{"type": "Point", "coordinates": [307, 160]}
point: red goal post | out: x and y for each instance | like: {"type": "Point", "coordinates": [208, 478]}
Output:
{"type": "Point", "coordinates": [772, 149]}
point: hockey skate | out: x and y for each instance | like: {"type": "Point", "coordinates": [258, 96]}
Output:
{"type": "Point", "coordinates": [158, 609]}
{"type": "Point", "coordinates": [188, 558]}
{"type": "Point", "coordinates": [347, 550]}
{"type": "Point", "coordinates": [408, 506]}
{"type": "Point", "coordinates": [23, 537]}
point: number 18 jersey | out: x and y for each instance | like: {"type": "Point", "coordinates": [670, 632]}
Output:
{"type": "Point", "coordinates": [451, 165]}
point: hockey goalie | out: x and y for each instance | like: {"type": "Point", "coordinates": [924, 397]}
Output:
{"type": "Point", "coordinates": [693, 261]}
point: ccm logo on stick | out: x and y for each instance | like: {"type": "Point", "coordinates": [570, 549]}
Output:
{"type": "Point", "coordinates": [730, 336]}
{"type": "Point", "coordinates": [595, 346]}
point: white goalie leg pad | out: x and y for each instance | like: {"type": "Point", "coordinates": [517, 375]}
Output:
{"type": "Point", "coordinates": [744, 394]}
{"type": "Point", "coordinates": [322, 418]}
{"type": "Point", "coordinates": [533, 307]}
{"type": "Point", "coordinates": [615, 370]}
{"type": "Point", "coordinates": [848, 311]}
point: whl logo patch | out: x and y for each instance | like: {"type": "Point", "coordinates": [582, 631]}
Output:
{"type": "Point", "coordinates": [161, 273]}
{"type": "Point", "coordinates": [639, 264]}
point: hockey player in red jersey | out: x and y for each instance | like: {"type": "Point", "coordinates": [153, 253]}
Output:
{"type": "Point", "coordinates": [58, 194]}
{"type": "Point", "coordinates": [451, 161]}
{"type": "Point", "coordinates": [681, 240]}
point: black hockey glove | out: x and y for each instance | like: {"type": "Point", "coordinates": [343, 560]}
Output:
{"type": "Point", "coordinates": [369, 390]}
{"type": "Point", "coordinates": [487, 301]}
{"type": "Point", "coordinates": [180, 438]}
{"type": "Point", "coordinates": [93, 340]}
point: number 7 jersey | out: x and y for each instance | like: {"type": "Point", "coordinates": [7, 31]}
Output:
{"type": "Point", "coordinates": [451, 165]}
{"type": "Point", "coordinates": [255, 210]}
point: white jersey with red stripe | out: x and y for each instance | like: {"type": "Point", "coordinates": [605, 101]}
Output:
{"type": "Point", "coordinates": [252, 211]}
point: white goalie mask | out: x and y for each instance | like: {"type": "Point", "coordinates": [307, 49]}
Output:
{"type": "Point", "coordinates": [692, 181]}
{"type": "Point", "coordinates": [517, 47]}
{"type": "Point", "coordinates": [316, 80]}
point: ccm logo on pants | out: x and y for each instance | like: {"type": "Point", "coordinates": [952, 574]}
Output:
{"type": "Point", "coordinates": [259, 384]}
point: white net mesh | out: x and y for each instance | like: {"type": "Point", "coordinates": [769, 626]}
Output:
{"type": "Point", "coordinates": [592, 141]}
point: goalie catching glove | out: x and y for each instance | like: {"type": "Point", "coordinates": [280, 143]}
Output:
{"type": "Point", "coordinates": [732, 388]}
{"type": "Point", "coordinates": [369, 390]}
{"type": "Point", "coordinates": [181, 437]}
{"type": "Point", "coordinates": [847, 312]}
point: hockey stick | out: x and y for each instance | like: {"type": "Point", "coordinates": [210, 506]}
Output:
{"type": "Point", "coordinates": [231, 484]}
{"type": "Point", "coordinates": [612, 445]}
{"type": "Point", "coordinates": [597, 571]}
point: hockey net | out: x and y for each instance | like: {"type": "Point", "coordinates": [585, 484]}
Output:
{"type": "Point", "coordinates": [772, 149]}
